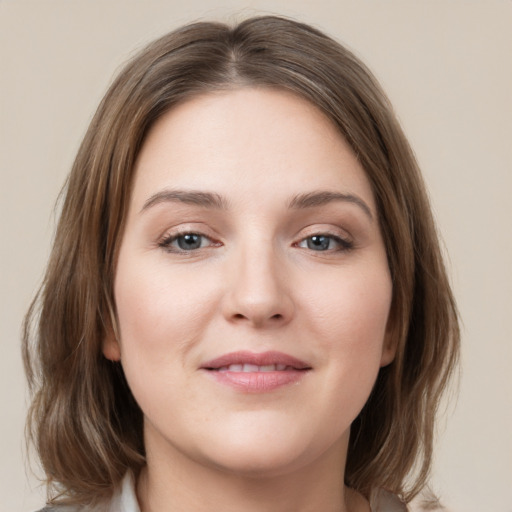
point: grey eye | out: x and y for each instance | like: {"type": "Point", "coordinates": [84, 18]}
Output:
{"type": "Point", "coordinates": [322, 243]}
{"type": "Point", "coordinates": [319, 242]}
{"type": "Point", "coordinates": [189, 242]}
{"type": "Point", "coordinates": [186, 243]}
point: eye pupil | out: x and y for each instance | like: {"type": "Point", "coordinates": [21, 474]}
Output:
{"type": "Point", "coordinates": [189, 241]}
{"type": "Point", "coordinates": [318, 242]}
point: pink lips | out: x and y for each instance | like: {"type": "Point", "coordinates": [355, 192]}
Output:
{"type": "Point", "coordinates": [256, 373]}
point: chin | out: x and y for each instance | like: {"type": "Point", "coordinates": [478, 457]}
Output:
{"type": "Point", "coordinates": [265, 452]}
{"type": "Point", "coordinates": [258, 463]}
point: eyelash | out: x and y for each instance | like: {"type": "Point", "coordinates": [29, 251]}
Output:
{"type": "Point", "coordinates": [343, 244]}
{"type": "Point", "coordinates": [167, 242]}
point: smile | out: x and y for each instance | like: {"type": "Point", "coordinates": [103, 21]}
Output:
{"type": "Point", "coordinates": [256, 373]}
{"type": "Point", "coordinates": [247, 368]}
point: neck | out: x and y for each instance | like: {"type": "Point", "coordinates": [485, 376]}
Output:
{"type": "Point", "coordinates": [176, 483]}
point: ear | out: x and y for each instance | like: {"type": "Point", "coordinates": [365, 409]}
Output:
{"type": "Point", "coordinates": [110, 346]}
{"type": "Point", "coordinates": [389, 346]}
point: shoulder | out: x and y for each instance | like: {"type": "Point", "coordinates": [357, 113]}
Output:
{"type": "Point", "coordinates": [67, 508]}
{"type": "Point", "coordinates": [384, 501]}
{"type": "Point", "coordinates": [77, 508]}
{"type": "Point", "coordinates": [124, 500]}
{"type": "Point", "coordinates": [61, 508]}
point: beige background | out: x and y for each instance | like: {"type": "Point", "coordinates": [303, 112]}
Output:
{"type": "Point", "coordinates": [447, 68]}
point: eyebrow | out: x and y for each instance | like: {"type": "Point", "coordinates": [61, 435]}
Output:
{"type": "Point", "coordinates": [216, 201]}
{"type": "Point", "coordinates": [197, 198]}
{"type": "Point", "coordinates": [321, 198]}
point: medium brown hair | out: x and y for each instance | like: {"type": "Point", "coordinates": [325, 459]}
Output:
{"type": "Point", "coordinates": [83, 420]}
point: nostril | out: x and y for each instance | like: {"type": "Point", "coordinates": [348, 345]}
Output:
{"type": "Point", "coordinates": [240, 316]}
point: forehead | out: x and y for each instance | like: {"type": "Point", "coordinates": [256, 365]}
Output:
{"type": "Point", "coordinates": [249, 141]}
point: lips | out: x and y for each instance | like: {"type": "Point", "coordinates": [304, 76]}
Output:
{"type": "Point", "coordinates": [247, 368]}
{"type": "Point", "coordinates": [252, 372]}
{"type": "Point", "coordinates": [254, 359]}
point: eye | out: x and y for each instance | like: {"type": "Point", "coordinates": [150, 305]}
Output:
{"type": "Point", "coordinates": [325, 243]}
{"type": "Point", "coordinates": [185, 242]}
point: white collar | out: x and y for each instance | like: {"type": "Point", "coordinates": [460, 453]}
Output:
{"type": "Point", "coordinates": [125, 500]}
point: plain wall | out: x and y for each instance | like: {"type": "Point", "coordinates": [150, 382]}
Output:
{"type": "Point", "coordinates": [446, 66]}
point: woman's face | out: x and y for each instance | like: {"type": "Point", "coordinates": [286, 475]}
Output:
{"type": "Point", "coordinates": [252, 286]}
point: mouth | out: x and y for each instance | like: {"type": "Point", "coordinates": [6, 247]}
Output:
{"type": "Point", "coordinates": [244, 361]}
{"type": "Point", "coordinates": [249, 368]}
{"type": "Point", "coordinates": [255, 373]}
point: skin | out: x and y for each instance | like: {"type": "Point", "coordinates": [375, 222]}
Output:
{"type": "Point", "coordinates": [253, 284]}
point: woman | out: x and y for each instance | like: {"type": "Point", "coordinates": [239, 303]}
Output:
{"type": "Point", "coordinates": [246, 304]}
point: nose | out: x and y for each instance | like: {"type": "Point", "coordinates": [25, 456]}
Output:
{"type": "Point", "coordinates": [259, 293]}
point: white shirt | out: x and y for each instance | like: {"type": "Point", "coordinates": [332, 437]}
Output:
{"type": "Point", "coordinates": [125, 500]}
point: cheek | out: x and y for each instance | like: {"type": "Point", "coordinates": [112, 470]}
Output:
{"type": "Point", "coordinates": [349, 319]}
{"type": "Point", "coordinates": [351, 308]}
{"type": "Point", "coordinates": [162, 315]}
{"type": "Point", "coordinates": [155, 301]}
